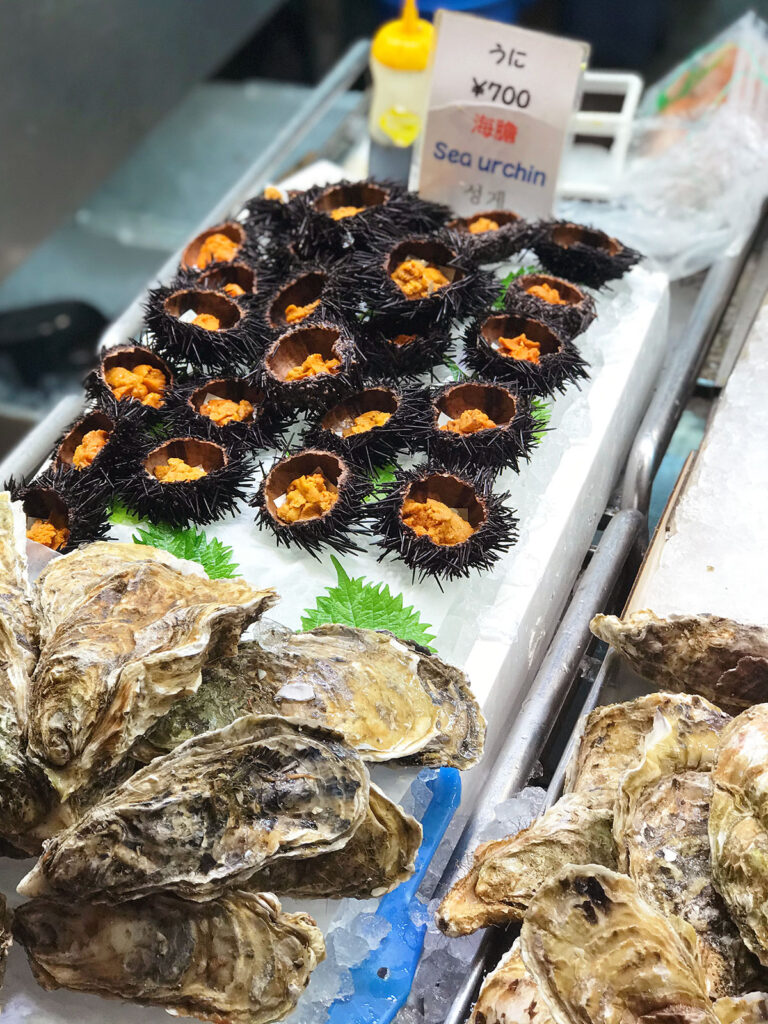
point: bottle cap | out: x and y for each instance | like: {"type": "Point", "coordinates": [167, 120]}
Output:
{"type": "Point", "coordinates": [405, 43]}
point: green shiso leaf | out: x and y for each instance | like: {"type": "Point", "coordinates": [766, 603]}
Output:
{"type": "Point", "coordinates": [542, 413]}
{"type": "Point", "coordinates": [355, 602]}
{"type": "Point", "coordinates": [380, 475]}
{"type": "Point", "coordinates": [121, 515]}
{"type": "Point", "coordinates": [215, 557]}
{"type": "Point", "coordinates": [456, 371]}
{"type": "Point", "coordinates": [507, 281]}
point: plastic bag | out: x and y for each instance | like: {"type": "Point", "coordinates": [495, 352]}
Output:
{"type": "Point", "coordinates": [698, 166]}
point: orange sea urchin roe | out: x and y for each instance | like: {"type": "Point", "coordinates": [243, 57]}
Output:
{"type": "Point", "coordinates": [44, 532]}
{"type": "Point", "coordinates": [207, 321]}
{"type": "Point", "coordinates": [224, 411]}
{"type": "Point", "coordinates": [233, 290]}
{"type": "Point", "coordinates": [470, 421]}
{"type": "Point", "coordinates": [417, 279]}
{"type": "Point", "coordinates": [89, 448]}
{"type": "Point", "coordinates": [346, 211]}
{"type": "Point", "coordinates": [307, 497]}
{"type": "Point", "coordinates": [483, 224]}
{"type": "Point", "coordinates": [312, 366]}
{"type": "Point", "coordinates": [547, 293]}
{"type": "Point", "coordinates": [403, 339]}
{"type": "Point", "coordinates": [145, 383]}
{"type": "Point", "coordinates": [270, 192]}
{"type": "Point", "coordinates": [433, 519]}
{"type": "Point", "coordinates": [366, 421]}
{"type": "Point", "coordinates": [217, 248]}
{"type": "Point", "coordinates": [176, 470]}
{"type": "Point", "coordinates": [295, 313]}
{"type": "Point", "coordinates": [520, 347]}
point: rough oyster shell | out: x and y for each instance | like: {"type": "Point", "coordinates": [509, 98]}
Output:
{"type": "Point", "coordinates": [660, 828]}
{"type": "Point", "coordinates": [15, 597]}
{"type": "Point", "coordinates": [389, 700]}
{"type": "Point", "coordinates": [132, 644]}
{"type": "Point", "coordinates": [66, 581]}
{"type": "Point", "coordinates": [750, 1008]}
{"type": "Point", "coordinates": [509, 994]}
{"type": "Point", "coordinates": [600, 954]}
{"type": "Point", "coordinates": [613, 737]}
{"type": "Point", "coordinates": [506, 873]}
{"type": "Point", "coordinates": [723, 660]}
{"type": "Point", "coordinates": [379, 856]}
{"type": "Point", "coordinates": [211, 814]}
{"type": "Point", "coordinates": [737, 825]}
{"type": "Point", "coordinates": [238, 958]}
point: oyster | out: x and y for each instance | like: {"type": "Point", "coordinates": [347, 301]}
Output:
{"type": "Point", "coordinates": [238, 958]}
{"type": "Point", "coordinates": [613, 737]}
{"type": "Point", "coordinates": [599, 953]}
{"type": "Point", "coordinates": [506, 873]}
{"type": "Point", "coordinates": [379, 856]}
{"type": "Point", "coordinates": [738, 836]}
{"type": "Point", "coordinates": [5, 935]}
{"type": "Point", "coordinates": [660, 827]}
{"type": "Point", "coordinates": [211, 814]}
{"type": "Point", "coordinates": [15, 598]}
{"type": "Point", "coordinates": [509, 994]}
{"type": "Point", "coordinates": [390, 700]}
{"type": "Point", "coordinates": [136, 642]}
{"type": "Point", "coordinates": [723, 660]}
{"type": "Point", "coordinates": [577, 829]}
{"type": "Point", "coordinates": [66, 581]}
{"type": "Point", "coordinates": [750, 1008]}
{"type": "Point", "coordinates": [26, 795]}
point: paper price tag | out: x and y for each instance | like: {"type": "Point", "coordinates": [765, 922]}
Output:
{"type": "Point", "coordinates": [500, 103]}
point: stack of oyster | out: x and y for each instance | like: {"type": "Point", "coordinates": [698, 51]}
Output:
{"type": "Point", "coordinates": [172, 776]}
{"type": "Point", "coordinates": [643, 892]}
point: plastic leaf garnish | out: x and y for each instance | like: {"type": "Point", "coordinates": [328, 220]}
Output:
{"type": "Point", "coordinates": [507, 281]}
{"type": "Point", "coordinates": [121, 515]}
{"type": "Point", "coordinates": [355, 602]}
{"type": "Point", "coordinates": [542, 413]}
{"type": "Point", "coordinates": [381, 475]}
{"type": "Point", "coordinates": [215, 557]}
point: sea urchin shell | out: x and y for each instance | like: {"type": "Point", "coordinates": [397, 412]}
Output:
{"type": "Point", "coordinates": [329, 528]}
{"type": "Point", "coordinates": [231, 230]}
{"type": "Point", "coordinates": [369, 278]}
{"type": "Point", "coordinates": [558, 363]}
{"type": "Point", "coordinates": [581, 254]}
{"type": "Point", "coordinates": [206, 329]}
{"type": "Point", "coordinates": [287, 355]}
{"type": "Point", "coordinates": [128, 357]}
{"type": "Point", "coordinates": [258, 429]}
{"type": "Point", "coordinates": [487, 449]}
{"type": "Point", "coordinates": [343, 428]}
{"type": "Point", "coordinates": [62, 498]}
{"type": "Point", "coordinates": [182, 502]}
{"type": "Point", "coordinates": [496, 244]}
{"type": "Point", "coordinates": [493, 524]}
{"type": "Point", "coordinates": [573, 315]}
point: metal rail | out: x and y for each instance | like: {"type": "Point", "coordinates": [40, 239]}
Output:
{"type": "Point", "coordinates": [35, 448]}
{"type": "Point", "coordinates": [336, 82]}
{"type": "Point", "coordinates": [546, 699]}
{"type": "Point", "coordinates": [678, 375]}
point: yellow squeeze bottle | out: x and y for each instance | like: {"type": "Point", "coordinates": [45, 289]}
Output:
{"type": "Point", "coordinates": [399, 61]}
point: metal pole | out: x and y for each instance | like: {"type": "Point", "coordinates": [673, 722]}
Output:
{"type": "Point", "coordinates": [546, 698]}
{"type": "Point", "coordinates": [337, 81]}
{"type": "Point", "coordinates": [678, 375]}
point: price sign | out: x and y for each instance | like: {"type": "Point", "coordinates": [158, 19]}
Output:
{"type": "Point", "coordinates": [499, 107]}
